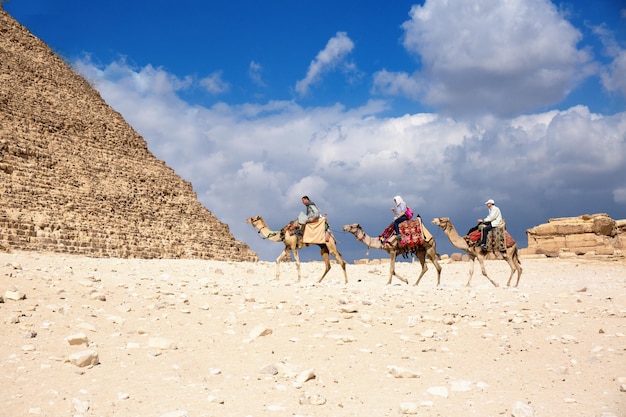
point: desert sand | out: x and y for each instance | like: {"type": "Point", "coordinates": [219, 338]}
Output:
{"type": "Point", "coordinates": [171, 338]}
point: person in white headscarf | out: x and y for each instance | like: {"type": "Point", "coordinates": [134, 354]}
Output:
{"type": "Point", "coordinates": [399, 211]}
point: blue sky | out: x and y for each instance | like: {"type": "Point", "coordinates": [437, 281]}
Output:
{"type": "Point", "coordinates": [445, 103]}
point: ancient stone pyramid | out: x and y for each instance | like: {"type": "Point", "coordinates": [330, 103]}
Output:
{"type": "Point", "coordinates": [76, 178]}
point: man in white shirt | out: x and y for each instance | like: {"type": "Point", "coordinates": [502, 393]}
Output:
{"type": "Point", "coordinates": [493, 219]}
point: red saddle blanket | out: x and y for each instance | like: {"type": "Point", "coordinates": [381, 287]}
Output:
{"type": "Point", "coordinates": [411, 231]}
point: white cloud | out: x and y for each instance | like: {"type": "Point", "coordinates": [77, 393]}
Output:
{"type": "Point", "coordinates": [490, 56]}
{"type": "Point", "coordinates": [214, 83]}
{"type": "Point", "coordinates": [397, 84]}
{"type": "Point", "coordinates": [254, 72]}
{"type": "Point", "coordinates": [335, 52]}
{"type": "Point", "coordinates": [613, 75]}
{"type": "Point", "coordinates": [259, 159]}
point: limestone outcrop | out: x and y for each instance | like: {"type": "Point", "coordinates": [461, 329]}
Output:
{"type": "Point", "coordinates": [589, 234]}
{"type": "Point", "coordinates": [76, 178]}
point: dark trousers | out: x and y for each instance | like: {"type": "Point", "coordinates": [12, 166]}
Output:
{"type": "Point", "coordinates": [397, 221]}
{"type": "Point", "coordinates": [485, 232]}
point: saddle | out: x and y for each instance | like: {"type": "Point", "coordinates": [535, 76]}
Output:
{"type": "Point", "coordinates": [411, 230]}
{"type": "Point", "coordinates": [316, 231]}
{"type": "Point", "coordinates": [498, 239]}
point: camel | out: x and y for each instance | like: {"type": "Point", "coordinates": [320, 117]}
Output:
{"type": "Point", "coordinates": [294, 242]}
{"type": "Point", "coordinates": [392, 248]}
{"type": "Point", "coordinates": [475, 252]}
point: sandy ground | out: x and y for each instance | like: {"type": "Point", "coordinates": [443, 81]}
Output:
{"type": "Point", "coordinates": [177, 338]}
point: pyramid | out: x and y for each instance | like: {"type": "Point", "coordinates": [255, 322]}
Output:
{"type": "Point", "coordinates": [76, 178]}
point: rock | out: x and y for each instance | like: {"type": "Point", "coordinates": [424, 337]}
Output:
{"type": "Point", "coordinates": [98, 296]}
{"type": "Point", "coordinates": [399, 372]}
{"type": "Point", "coordinates": [521, 409]}
{"type": "Point", "coordinates": [162, 343]}
{"type": "Point", "coordinates": [80, 405]}
{"type": "Point", "coordinates": [260, 331]}
{"type": "Point", "coordinates": [304, 377]}
{"type": "Point", "coordinates": [84, 358]}
{"type": "Point", "coordinates": [77, 339]}
{"type": "Point", "coordinates": [408, 408]}
{"type": "Point", "coordinates": [312, 399]}
{"type": "Point", "coordinates": [568, 237]}
{"type": "Point", "coordinates": [269, 370]}
{"type": "Point", "coordinates": [14, 295]}
{"type": "Point", "coordinates": [438, 391]}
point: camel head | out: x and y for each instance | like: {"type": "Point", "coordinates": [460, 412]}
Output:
{"type": "Point", "coordinates": [352, 228]}
{"type": "Point", "coordinates": [441, 222]}
{"type": "Point", "coordinates": [254, 221]}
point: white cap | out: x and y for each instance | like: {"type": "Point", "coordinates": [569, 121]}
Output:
{"type": "Point", "coordinates": [490, 201]}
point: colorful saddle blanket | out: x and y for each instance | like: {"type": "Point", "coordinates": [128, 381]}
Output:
{"type": "Point", "coordinates": [411, 231]}
{"type": "Point", "coordinates": [497, 239]}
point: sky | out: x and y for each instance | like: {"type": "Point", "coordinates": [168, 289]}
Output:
{"type": "Point", "coordinates": [447, 103]}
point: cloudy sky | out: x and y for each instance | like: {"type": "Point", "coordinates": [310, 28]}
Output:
{"type": "Point", "coordinates": [447, 103]}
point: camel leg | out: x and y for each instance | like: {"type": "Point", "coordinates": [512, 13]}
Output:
{"type": "Point", "coordinates": [484, 271]}
{"type": "Point", "coordinates": [280, 258]}
{"type": "Point", "coordinates": [324, 253]}
{"type": "Point", "coordinates": [519, 271]}
{"type": "Point", "coordinates": [515, 266]}
{"type": "Point", "coordinates": [339, 259]}
{"type": "Point", "coordinates": [422, 258]}
{"type": "Point", "coordinates": [471, 271]}
{"type": "Point", "coordinates": [511, 263]}
{"type": "Point", "coordinates": [433, 257]}
{"type": "Point", "coordinates": [392, 268]}
{"type": "Point", "coordinates": [297, 258]}
{"type": "Point", "coordinates": [332, 248]}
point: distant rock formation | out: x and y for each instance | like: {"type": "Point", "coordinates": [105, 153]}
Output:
{"type": "Point", "coordinates": [76, 178]}
{"type": "Point", "coordinates": [589, 234]}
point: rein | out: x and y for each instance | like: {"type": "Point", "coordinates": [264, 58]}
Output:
{"type": "Point", "coordinates": [272, 234]}
{"type": "Point", "coordinates": [361, 238]}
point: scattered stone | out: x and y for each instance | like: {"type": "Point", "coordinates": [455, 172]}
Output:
{"type": "Point", "coordinates": [80, 405]}
{"type": "Point", "coordinates": [399, 372]}
{"type": "Point", "coordinates": [77, 339]}
{"type": "Point", "coordinates": [98, 296]}
{"type": "Point", "coordinates": [84, 358]}
{"type": "Point", "coordinates": [312, 399]}
{"type": "Point", "coordinates": [438, 391]}
{"type": "Point", "coordinates": [269, 370]}
{"type": "Point", "coordinates": [349, 308]}
{"type": "Point", "coordinates": [521, 409]}
{"type": "Point", "coordinates": [304, 377]}
{"type": "Point", "coordinates": [408, 408]}
{"type": "Point", "coordinates": [14, 295]}
{"type": "Point", "coordinates": [259, 331]}
{"type": "Point", "coordinates": [162, 343]}
{"type": "Point", "coordinates": [214, 399]}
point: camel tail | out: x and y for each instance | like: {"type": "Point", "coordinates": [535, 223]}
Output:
{"type": "Point", "coordinates": [516, 256]}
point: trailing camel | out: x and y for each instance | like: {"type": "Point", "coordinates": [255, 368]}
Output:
{"type": "Point", "coordinates": [293, 242]}
{"type": "Point", "coordinates": [475, 252]}
{"type": "Point", "coordinates": [393, 249]}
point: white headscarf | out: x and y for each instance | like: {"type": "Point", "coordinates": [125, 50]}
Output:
{"type": "Point", "coordinates": [398, 200]}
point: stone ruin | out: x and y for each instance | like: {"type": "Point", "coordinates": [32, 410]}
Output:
{"type": "Point", "coordinates": [76, 178]}
{"type": "Point", "coordinates": [589, 235]}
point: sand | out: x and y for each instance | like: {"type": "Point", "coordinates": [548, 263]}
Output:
{"type": "Point", "coordinates": [113, 337]}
